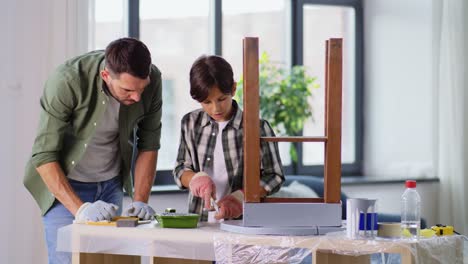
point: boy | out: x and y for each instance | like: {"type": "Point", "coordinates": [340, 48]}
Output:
{"type": "Point", "coordinates": [210, 157]}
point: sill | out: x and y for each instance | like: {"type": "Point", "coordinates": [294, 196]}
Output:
{"type": "Point", "coordinates": [366, 180]}
{"type": "Point", "coordinates": [345, 181]}
{"type": "Point", "coordinates": [164, 189]}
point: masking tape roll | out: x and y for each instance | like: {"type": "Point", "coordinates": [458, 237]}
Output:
{"type": "Point", "coordinates": [389, 230]}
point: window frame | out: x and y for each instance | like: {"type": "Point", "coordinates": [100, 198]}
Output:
{"type": "Point", "coordinates": [296, 39]}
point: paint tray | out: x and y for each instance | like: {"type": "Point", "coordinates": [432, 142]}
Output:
{"type": "Point", "coordinates": [177, 220]}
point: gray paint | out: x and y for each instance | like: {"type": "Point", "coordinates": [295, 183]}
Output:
{"type": "Point", "coordinates": [291, 214]}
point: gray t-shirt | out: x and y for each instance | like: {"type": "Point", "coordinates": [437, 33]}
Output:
{"type": "Point", "coordinates": [101, 160]}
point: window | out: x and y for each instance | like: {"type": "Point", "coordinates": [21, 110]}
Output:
{"type": "Point", "coordinates": [265, 19]}
{"type": "Point", "coordinates": [176, 37]}
{"type": "Point", "coordinates": [343, 21]}
{"type": "Point", "coordinates": [108, 23]}
{"type": "Point", "coordinates": [292, 32]}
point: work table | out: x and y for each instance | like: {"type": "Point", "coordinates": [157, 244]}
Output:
{"type": "Point", "coordinates": [208, 242]}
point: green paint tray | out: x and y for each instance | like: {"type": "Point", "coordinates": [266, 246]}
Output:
{"type": "Point", "coordinates": [177, 220]}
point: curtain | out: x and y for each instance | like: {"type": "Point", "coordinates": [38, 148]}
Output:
{"type": "Point", "coordinates": [451, 111]}
{"type": "Point", "coordinates": [67, 29]}
{"type": "Point", "coordinates": [36, 37]}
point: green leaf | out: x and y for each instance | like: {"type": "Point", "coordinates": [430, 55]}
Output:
{"type": "Point", "coordinates": [293, 153]}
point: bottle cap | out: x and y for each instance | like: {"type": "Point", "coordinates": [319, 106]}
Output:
{"type": "Point", "coordinates": [410, 184]}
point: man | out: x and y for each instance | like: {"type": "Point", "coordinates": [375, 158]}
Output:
{"type": "Point", "coordinates": [93, 107]}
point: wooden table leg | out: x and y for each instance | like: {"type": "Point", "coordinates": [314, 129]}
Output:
{"type": "Point", "coordinates": [459, 250]}
{"type": "Point", "coordinates": [158, 260]}
{"type": "Point", "coordinates": [320, 257]}
{"type": "Point", "coordinates": [92, 258]}
{"type": "Point", "coordinates": [407, 257]}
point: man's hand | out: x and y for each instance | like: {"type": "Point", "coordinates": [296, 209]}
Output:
{"type": "Point", "coordinates": [201, 185]}
{"type": "Point", "coordinates": [231, 205]}
{"type": "Point", "coordinates": [139, 209]}
{"type": "Point", "coordinates": [96, 211]}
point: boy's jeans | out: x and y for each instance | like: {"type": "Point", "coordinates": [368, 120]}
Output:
{"type": "Point", "coordinates": [109, 191]}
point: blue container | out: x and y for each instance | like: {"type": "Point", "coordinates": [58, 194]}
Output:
{"type": "Point", "coordinates": [371, 223]}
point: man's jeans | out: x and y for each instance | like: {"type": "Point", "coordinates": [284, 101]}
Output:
{"type": "Point", "coordinates": [109, 191]}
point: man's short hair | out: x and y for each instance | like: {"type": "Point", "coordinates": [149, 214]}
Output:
{"type": "Point", "coordinates": [128, 55]}
{"type": "Point", "coordinates": [208, 71]}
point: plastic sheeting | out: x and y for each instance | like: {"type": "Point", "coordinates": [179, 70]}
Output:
{"type": "Point", "coordinates": [236, 248]}
{"type": "Point", "coordinates": [144, 240]}
{"type": "Point", "coordinates": [208, 242]}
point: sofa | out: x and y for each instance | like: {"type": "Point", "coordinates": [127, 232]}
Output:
{"type": "Point", "coordinates": [316, 185]}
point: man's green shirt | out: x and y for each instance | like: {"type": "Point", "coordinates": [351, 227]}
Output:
{"type": "Point", "coordinates": [72, 105]}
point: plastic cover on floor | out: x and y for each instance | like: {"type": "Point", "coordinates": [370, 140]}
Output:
{"type": "Point", "coordinates": [237, 248]}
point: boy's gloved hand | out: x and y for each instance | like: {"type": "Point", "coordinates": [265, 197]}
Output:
{"type": "Point", "coordinates": [96, 211]}
{"type": "Point", "coordinates": [231, 205]}
{"type": "Point", "coordinates": [139, 209]}
{"type": "Point", "coordinates": [201, 185]}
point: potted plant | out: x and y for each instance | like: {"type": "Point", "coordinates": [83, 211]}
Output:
{"type": "Point", "coordinates": [284, 95]}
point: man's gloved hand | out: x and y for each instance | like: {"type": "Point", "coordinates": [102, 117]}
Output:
{"type": "Point", "coordinates": [230, 206]}
{"type": "Point", "coordinates": [96, 211]}
{"type": "Point", "coordinates": [201, 185]}
{"type": "Point", "coordinates": [139, 209]}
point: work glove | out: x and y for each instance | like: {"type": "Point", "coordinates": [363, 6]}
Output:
{"type": "Point", "coordinates": [231, 205]}
{"type": "Point", "coordinates": [139, 209]}
{"type": "Point", "coordinates": [97, 211]}
{"type": "Point", "coordinates": [201, 185]}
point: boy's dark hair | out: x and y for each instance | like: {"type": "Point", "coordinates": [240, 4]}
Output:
{"type": "Point", "coordinates": [208, 71]}
{"type": "Point", "coordinates": [128, 55]}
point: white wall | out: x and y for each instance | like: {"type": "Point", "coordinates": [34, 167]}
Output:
{"type": "Point", "coordinates": [36, 36]}
{"type": "Point", "coordinates": [20, 224]}
{"type": "Point", "coordinates": [398, 110]}
{"type": "Point", "coordinates": [23, 73]}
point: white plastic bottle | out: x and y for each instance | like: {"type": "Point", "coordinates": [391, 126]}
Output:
{"type": "Point", "coordinates": [410, 212]}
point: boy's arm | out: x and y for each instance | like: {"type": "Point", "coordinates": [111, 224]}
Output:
{"type": "Point", "coordinates": [183, 171]}
{"type": "Point", "coordinates": [186, 178]}
{"type": "Point", "coordinates": [272, 176]}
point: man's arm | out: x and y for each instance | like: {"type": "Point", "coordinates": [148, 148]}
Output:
{"type": "Point", "coordinates": [145, 169]}
{"type": "Point", "coordinates": [57, 103]}
{"type": "Point", "coordinates": [149, 134]}
{"type": "Point", "coordinates": [54, 178]}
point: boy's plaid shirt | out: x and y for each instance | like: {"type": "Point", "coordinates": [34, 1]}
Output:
{"type": "Point", "coordinates": [196, 148]}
